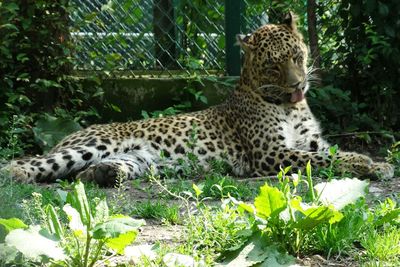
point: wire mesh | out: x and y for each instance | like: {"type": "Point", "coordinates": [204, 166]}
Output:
{"type": "Point", "coordinates": [156, 37]}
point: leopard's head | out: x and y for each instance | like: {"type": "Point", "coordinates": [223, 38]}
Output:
{"type": "Point", "coordinates": [275, 62]}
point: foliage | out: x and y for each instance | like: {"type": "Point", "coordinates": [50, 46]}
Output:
{"type": "Point", "coordinates": [221, 186]}
{"type": "Point", "coordinates": [35, 49]}
{"type": "Point", "coordinates": [359, 224]}
{"type": "Point", "coordinates": [283, 218]}
{"type": "Point", "coordinates": [382, 246]}
{"type": "Point", "coordinates": [215, 230]}
{"type": "Point", "coordinates": [51, 130]}
{"type": "Point", "coordinates": [157, 210]}
{"type": "Point", "coordinates": [186, 99]}
{"type": "Point", "coordinates": [10, 143]}
{"type": "Point", "coordinates": [360, 66]}
{"type": "Point", "coordinates": [394, 156]}
{"type": "Point", "coordinates": [363, 62]}
{"type": "Point", "coordinates": [80, 242]}
{"type": "Point", "coordinates": [257, 252]}
{"type": "Point", "coordinates": [225, 232]}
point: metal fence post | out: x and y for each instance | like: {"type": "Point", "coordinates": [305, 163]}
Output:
{"type": "Point", "coordinates": [233, 20]}
{"type": "Point", "coordinates": [164, 33]}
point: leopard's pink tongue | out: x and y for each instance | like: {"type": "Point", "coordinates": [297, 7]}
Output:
{"type": "Point", "coordinates": [297, 96]}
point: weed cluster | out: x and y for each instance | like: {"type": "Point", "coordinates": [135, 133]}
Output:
{"type": "Point", "coordinates": [290, 219]}
{"type": "Point", "coordinates": [87, 236]}
{"type": "Point", "coordinates": [331, 218]}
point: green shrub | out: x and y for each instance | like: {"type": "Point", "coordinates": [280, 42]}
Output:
{"type": "Point", "coordinates": [36, 61]}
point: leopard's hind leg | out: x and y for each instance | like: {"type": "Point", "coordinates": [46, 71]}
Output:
{"type": "Point", "coordinates": [119, 166]}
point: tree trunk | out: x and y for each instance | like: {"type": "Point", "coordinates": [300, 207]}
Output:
{"type": "Point", "coordinates": [313, 36]}
{"type": "Point", "coordinates": [164, 33]}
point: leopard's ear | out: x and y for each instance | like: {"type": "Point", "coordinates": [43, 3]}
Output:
{"type": "Point", "coordinates": [290, 20]}
{"type": "Point", "coordinates": [245, 41]}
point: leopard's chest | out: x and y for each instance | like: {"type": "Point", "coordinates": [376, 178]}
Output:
{"type": "Point", "coordinates": [297, 129]}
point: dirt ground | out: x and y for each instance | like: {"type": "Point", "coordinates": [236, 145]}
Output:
{"type": "Point", "coordinates": [155, 232]}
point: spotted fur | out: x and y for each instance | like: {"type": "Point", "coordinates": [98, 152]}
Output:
{"type": "Point", "coordinates": [265, 124]}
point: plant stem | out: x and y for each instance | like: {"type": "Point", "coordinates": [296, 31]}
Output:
{"type": "Point", "coordinates": [96, 255]}
{"type": "Point", "coordinates": [87, 248]}
{"type": "Point", "coordinates": [78, 249]}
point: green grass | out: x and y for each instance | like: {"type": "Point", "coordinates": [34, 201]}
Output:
{"type": "Point", "coordinates": [12, 194]}
{"type": "Point", "coordinates": [382, 247]}
{"type": "Point", "coordinates": [219, 187]}
{"type": "Point", "coordinates": [213, 228]}
{"type": "Point", "coordinates": [339, 238]}
{"type": "Point", "coordinates": [214, 187]}
{"type": "Point", "coordinates": [157, 210]}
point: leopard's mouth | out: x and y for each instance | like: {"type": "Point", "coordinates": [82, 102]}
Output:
{"type": "Point", "coordinates": [297, 96]}
{"type": "Point", "coordinates": [279, 94]}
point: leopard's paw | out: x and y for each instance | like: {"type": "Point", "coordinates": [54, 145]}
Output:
{"type": "Point", "coordinates": [355, 163]}
{"type": "Point", "coordinates": [104, 174]}
{"type": "Point", "coordinates": [16, 173]}
{"type": "Point", "coordinates": [382, 170]}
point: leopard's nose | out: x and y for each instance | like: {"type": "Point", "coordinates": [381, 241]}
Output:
{"type": "Point", "coordinates": [295, 85]}
{"type": "Point", "coordinates": [298, 86]}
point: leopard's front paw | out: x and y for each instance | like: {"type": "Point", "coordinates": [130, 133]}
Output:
{"type": "Point", "coordinates": [382, 170]}
{"type": "Point", "coordinates": [104, 174]}
{"type": "Point", "coordinates": [355, 163]}
{"type": "Point", "coordinates": [16, 173]}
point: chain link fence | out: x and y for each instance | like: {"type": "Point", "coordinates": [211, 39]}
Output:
{"type": "Point", "coordinates": [159, 38]}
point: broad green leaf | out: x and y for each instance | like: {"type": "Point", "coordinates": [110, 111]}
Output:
{"type": "Point", "coordinates": [9, 26]}
{"type": "Point", "coordinates": [260, 252]}
{"type": "Point", "coordinates": [247, 207]}
{"type": "Point", "coordinates": [75, 222]}
{"type": "Point", "coordinates": [8, 254]}
{"type": "Point", "coordinates": [340, 193]}
{"type": "Point", "coordinates": [287, 169]}
{"type": "Point", "coordinates": [119, 243]}
{"type": "Point", "coordinates": [318, 215]}
{"type": "Point", "coordinates": [137, 253]}
{"type": "Point", "coordinates": [11, 7]}
{"type": "Point", "coordinates": [295, 203]}
{"type": "Point", "coordinates": [78, 200]}
{"type": "Point", "coordinates": [116, 226]}
{"type": "Point", "coordinates": [296, 178]}
{"type": "Point", "coordinates": [53, 222]}
{"type": "Point", "coordinates": [270, 202]}
{"type": "Point", "coordinates": [333, 150]}
{"type": "Point", "coordinates": [48, 132]}
{"type": "Point", "coordinates": [389, 217]}
{"type": "Point", "coordinates": [101, 212]}
{"type": "Point", "coordinates": [197, 190]}
{"type": "Point", "coordinates": [279, 259]}
{"type": "Point", "coordinates": [47, 83]}
{"type": "Point", "coordinates": [12, 224]}
{"type": "Point", "coordinates": [63, 195]}
{"type": "Point", "coordinates": [32, 244]}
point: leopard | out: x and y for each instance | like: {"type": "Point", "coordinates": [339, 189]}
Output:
{"type": "Point", "coordinates": [264, 125]}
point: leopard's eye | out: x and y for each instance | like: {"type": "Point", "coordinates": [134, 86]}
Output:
{"type": "Point", "coordinates": [272, 72]}
{"type": "Point", "coordinates": [299, 60]}
{"type": "Point", "coordinates": [272, 68]}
